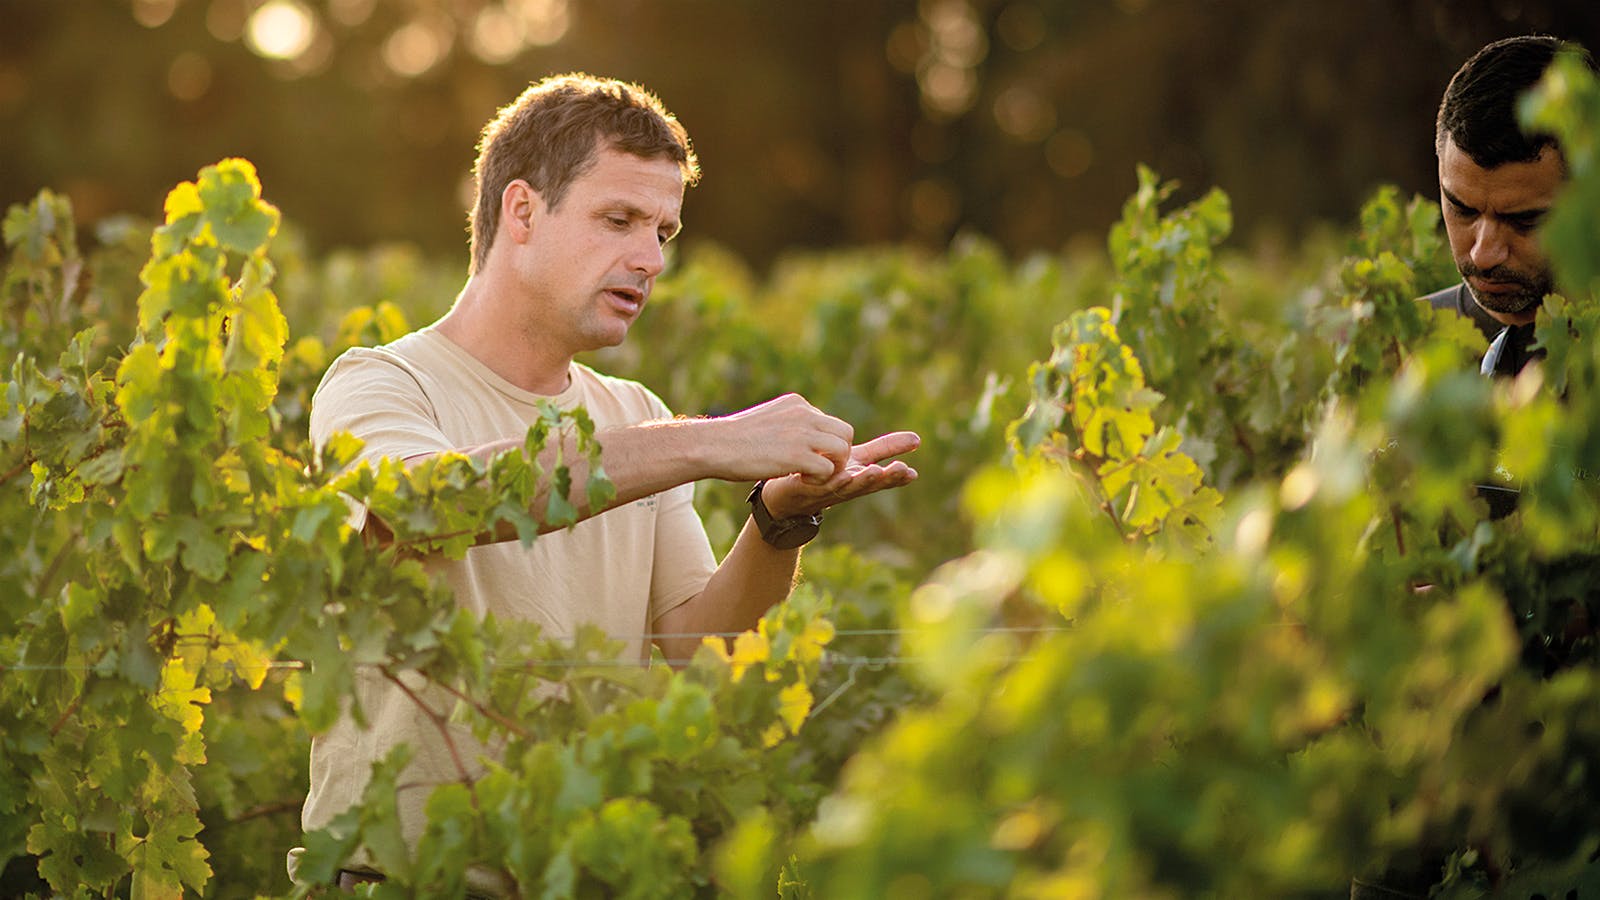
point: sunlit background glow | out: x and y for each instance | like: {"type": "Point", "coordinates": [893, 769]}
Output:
{"type": "Point", "coordinates": [1022, 120]}
{"type": "Point", "coordinates": [302, 38]}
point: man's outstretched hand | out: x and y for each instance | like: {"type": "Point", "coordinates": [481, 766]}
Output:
{"type": "Point", "coordinates": [864, 472]}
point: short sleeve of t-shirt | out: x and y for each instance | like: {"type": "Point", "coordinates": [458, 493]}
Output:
{"type": "Point", "coordinates": [373, 396]}
{"type": "Point", "coordinates": [370, 395]}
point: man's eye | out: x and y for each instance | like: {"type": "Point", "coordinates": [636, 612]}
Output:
{"type": "Point", "coordinates": [616, 221]}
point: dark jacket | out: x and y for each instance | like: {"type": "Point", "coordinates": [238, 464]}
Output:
{"type": "Point", "coordinates": [1514, 350]}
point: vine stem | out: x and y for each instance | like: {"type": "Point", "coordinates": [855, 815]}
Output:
{"type": "Point", "coordinates": [1243, 440]}
{"type": "Point", "coordinates": [444, 732]}
{"type": "Point", "coordinates": [16, 470]}
{"type": "Point", "coordinates": [262, 810]}
{"type": "Point", "coordinates": [484, 711]}
{"type": "Point", "coordinates": [55, 566]}
{"type": "Point", "coordinates": [66, 714]}
{"type": "Point", "coordinates": [1093, 475]}
{"type": "Point", "coordinates": [409, 544]}
{"type": "Point", "coordinates": [437, 720]}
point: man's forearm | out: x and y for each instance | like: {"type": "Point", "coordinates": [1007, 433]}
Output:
{"type": "Point", "coordinates": [639, 460]}
{"type": "Point", "coordinates": [752, 578]}
{"type": "Point", "coordinates": [783, 436]}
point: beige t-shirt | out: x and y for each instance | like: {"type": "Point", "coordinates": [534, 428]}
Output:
{"type": "Point", "coordinates": [619, 570]}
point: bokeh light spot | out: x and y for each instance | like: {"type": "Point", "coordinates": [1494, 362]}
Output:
{"type": "Point", "coordinates": [1069, 153]}
{"type": "Point", "coordinates": [316, 57]}
{"type": "Point", "coordinates": [280, 29]}
{"type": "Point", "coordinates": [497, 36]}
{"type": "Point", "coordinates": [351, 13]}
{"type": "Point", "coordinates": [957, 45]}
{"type": "Point", "coordinates": [414, 48]}
{"type": "Point", "coordinates": [153, 13]}
{"type": "Point", "coordinates": [1022, 27]}
{"type": "Point", "coordinates": [948, 90]}
{"type": "Point", "coordinates": [959, 39]}
{"type": "Point", "coordinates": [189, 76]}
{"type": "Point", "coordinates": [544, 22]}
{"type": "Point", "coordinates": [1023, 114]}
{"type": "Point", "coordinates": [905, 47]}
{"type": "Point", "coordinates": [933, 205]}
{"type": "Point", "coordinates": [226, 19]}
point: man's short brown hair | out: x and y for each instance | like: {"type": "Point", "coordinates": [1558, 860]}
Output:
{"type": "Point", "coordinates": [1479, 110]}
{"type": "Point", "coordinates": [550, 134]}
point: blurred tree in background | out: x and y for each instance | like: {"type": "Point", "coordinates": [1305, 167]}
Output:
{"type": "Point", "coordinates": [1167, 647]}
{"type": "Point", "coordinates": [821, 124]}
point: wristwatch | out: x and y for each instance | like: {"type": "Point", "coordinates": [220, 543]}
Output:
{"type": "Point", "coordinates": [785, 534]}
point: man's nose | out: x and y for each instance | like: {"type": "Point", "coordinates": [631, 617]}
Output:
{"type": "Point", "coordinates": [649, 257]}
{"type": "Point", "coordinates": [1490, 245]}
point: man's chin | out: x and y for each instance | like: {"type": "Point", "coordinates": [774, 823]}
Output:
{"type": "Point", "coordinates": [611, 336]}
{"type": "Point", "coordinates": [1514, 303]}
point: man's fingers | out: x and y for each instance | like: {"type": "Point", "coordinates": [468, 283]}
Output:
{"type": "Point", "coordinates": [833, 452]}
{"type": "Point", "coordinates": [838, 427]}
{"type": "Point", "coordinates": [860, 481]}
{"type": "Point", "coordinates": [788, 434]}
{"type": "Point", "coordinates": [901, 472]}
{"type": "Point", "coordinates": [829, 437]}
{"type": "Point", "coordinates": [818, 469]}
{"type": "Point", "coordinates": [883, 447]}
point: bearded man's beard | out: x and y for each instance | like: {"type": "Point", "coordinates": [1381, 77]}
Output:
{"type": "Point", "coordinates": [1530, 292]}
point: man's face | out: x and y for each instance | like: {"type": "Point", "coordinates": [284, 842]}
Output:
{"type": "Point", "coordinates": [1490, 216]}
{"type": "Point", "coordinates": [591, 262]}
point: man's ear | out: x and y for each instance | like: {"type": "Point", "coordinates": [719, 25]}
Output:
{"type": "Point", "coordinates": [520, 206]}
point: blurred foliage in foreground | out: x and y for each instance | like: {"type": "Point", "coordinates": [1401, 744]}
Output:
{"type": "Point", "coordinates": [1202, 602]}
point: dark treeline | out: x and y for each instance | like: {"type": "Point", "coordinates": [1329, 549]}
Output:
{"type": "Point", "coordinates": [819, 124]}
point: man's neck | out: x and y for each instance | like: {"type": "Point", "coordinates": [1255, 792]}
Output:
{"type": "Point", "coordinates": [482, 323]}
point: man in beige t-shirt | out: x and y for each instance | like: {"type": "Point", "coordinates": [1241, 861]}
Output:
{"type": "Point", "coordinates": [580, 184]}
